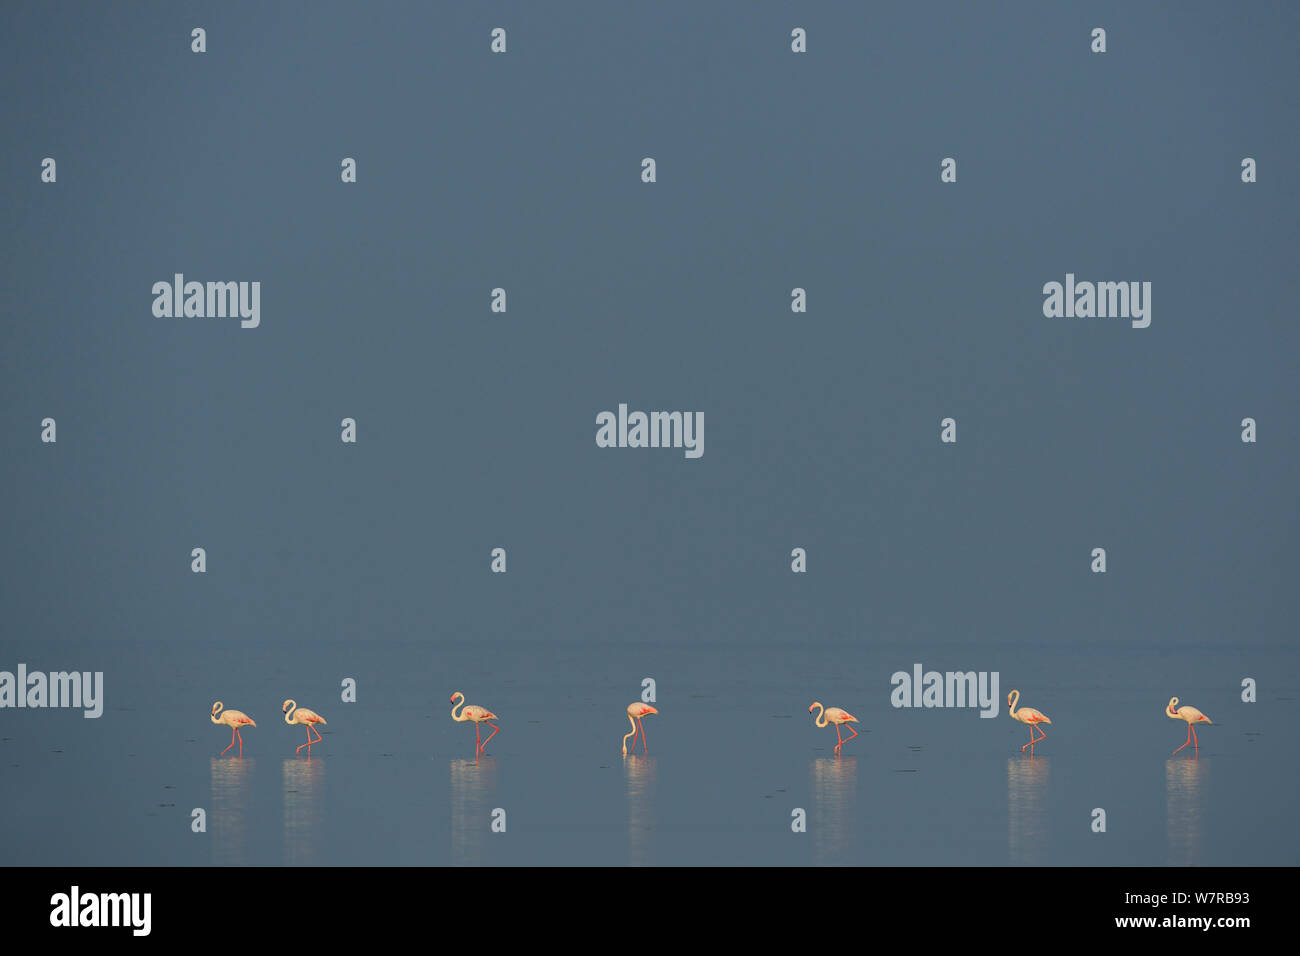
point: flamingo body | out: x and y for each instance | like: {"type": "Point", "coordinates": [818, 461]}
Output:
{"type": "Point", "coordinates": [478, 715]}
{"type": "Point", "coordinates": [1028, 716]}
{"type": "Point", "coordinates": [234, 719]}
{"type": "Point", "coordinates": [837, 716]}
{"type": "Point", "coordinates": [634, 714]}
{"type": "Point", "coordinates": [293, 714]}
{"type": "Point", "coordinates": [1190, 714]}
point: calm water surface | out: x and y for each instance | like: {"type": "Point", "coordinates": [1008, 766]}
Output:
{"type": "Point", "coordinates": [733, 752]}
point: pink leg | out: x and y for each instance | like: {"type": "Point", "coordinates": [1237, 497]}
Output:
{"type": "Point", "coordinates": [232, 741]}
{"type": "Point", "coordinates": [1189, 738]}
{"type": "Point", "coordinates": [1196, 741]}
{"type": "Point", "coordinates": [847, 739]}
{"type": "Point", "coordinates": [308, 743]}
{"type": "Point", "coordinates": [241, 742]}
{"type": "Point", "coordinates": [644, 749]}
{"type": "Point", "coordinates": [478, 743]}
{"type": "Point", "coordinates": [495, 728]}
{"type": "Point", "coordinates": [1031, 739]}
{"type": "Point", "coordinates": [839, 739]}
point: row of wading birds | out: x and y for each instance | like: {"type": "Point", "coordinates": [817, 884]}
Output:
{"type": "Point", "coordinates": [460, 711]}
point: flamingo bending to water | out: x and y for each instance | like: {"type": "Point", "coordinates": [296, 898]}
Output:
{"type": "Point", "coordinates": [634, 714]}
{"type": "Point", "coordinates": [1027, 715]}
{"type": "Point", "coordinates": [234, 719]}
{"type": "Point", "coordinates": [478, 715]}
{"type": "Point", "coordinates": [1192, 716]}
{"type": "Point", "coordinates": [293, 714]}
{"type": "Point", "coordinates": [836, 716]}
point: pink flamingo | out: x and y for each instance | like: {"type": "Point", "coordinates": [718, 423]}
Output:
{"type": "Point", "coordinates": [1027, 715]}
{"type": "Point", "coordinates": [634, 714]}
{"type": "Point", "coordinates": [836, 716]}
{"type": "Point", "coordinates": [478, 715]}
{"type": "Point", "coordinates": [1192, 716]}
{"type": "Point", "coordinates": [234, 719]}
{"type": "Point", "coordinates": [293, 714]}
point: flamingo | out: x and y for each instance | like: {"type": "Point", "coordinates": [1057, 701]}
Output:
{"type": "Point", "coordinates": [293, 714]}
{"type": "Point", "coordinates": [836, 716]}
{"type": "Point", "coordinates": [1027, 715]}
{"type": "Point", "coordinates": [1192, 716]}
{"type": "Point", "coordinates": [634, 714]}
{"type": "Point", "coordinates": [234, 719]}
{"type": "Point", "coordinates": [478, 715]}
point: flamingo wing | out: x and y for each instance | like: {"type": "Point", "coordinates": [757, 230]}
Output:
{"type": "Point", "coordinates": [237, 718]}
{"type": "Point", "coordinates": [839, 716]}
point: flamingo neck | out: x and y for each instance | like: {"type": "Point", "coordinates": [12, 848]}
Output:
{"type": "Point", "coordinates": [1015, 699]}
{"type": "Point", "coordinates": [821, 717]}
{"type": "Point", "coordinates": [458, 706]}
{"type": "Point", "coordinates": [288, 714]}
{"type": "Point", "coordinates": [216, 712]}
{"type": "Point", "coordinates": [631, 721]}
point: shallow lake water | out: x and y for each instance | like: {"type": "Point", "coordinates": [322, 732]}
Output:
{"type": "Point", "coordinates": [732, 754]}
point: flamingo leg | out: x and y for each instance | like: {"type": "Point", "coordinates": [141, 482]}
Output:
{"type": "Point", "coordinates": [1031, 739]}
{"type": "Point", "coordinates": [241, 741]}
{"type": "Point", "coordinates": [839, 739]}
{"type": "Point", "coordinates": [319, 738]}
{"type": "Point", "coordinates": [495, 728]}
{"type": "Point", "coordinates": [478, 745]}
{"type": "Point", "coordinates": [1189, 738]}
{"type": "Point", "coordinates": [232, 741]}
{"type": "Point", "coordinates": [645, 750]}
{"type": "Point", "coordinates": [309, 741]}
{"type": "Point", "coordinates": [1196, 742]}
{"type": "Point", "coordinates": [847, 739]}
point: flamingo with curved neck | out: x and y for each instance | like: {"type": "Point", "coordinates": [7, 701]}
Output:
{"type": "Point", "coordinates": [1027, 715]}
{"type": "Point", "coordinates": [293, 714]}
{"type": "Point", "coordinates": [634, 714]}
{"type": "Point", "coordinates": [478, 715]}
{"type": "Point", "coordinates": [234, 719]}
{"type": "Point", "coordinates": [838, 717]}
{"type": "Point", "coordinates": [1192, 716]}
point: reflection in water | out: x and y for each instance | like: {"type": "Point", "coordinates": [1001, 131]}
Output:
{"type": "Point", "coordinates": [639, 774]}
{"type": "Point", "coordinates": [226, 823]}
{"type": "Point", "coordinates": [473, 783]}
{"type": "Point", "coordinates": [834, 797]}
{"type": "Point", "coordinates": [1026, 810]}
{"type": "Point", "coordinates": [304, 809]}
{"type": "Point", "coordinates": [1184, 781]}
